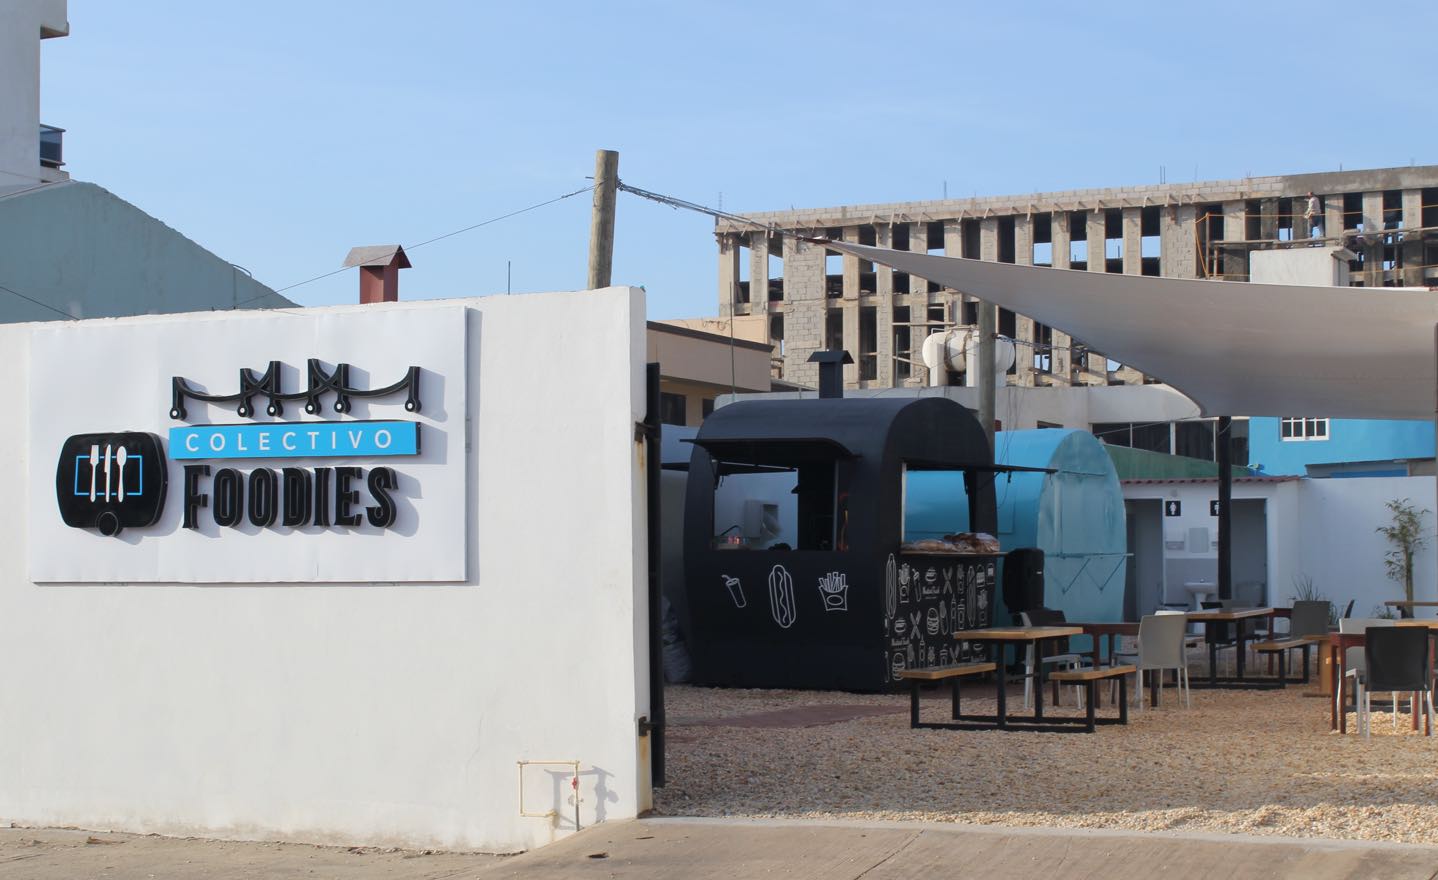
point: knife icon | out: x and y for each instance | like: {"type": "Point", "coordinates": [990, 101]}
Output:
{"type": "Point", "coordinates": [107, 472]}
{"type": "Point", "coordinates": [94, 463]}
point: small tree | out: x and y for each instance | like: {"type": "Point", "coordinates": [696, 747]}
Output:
{"type": "Point", "coordinates": [1406, 535]}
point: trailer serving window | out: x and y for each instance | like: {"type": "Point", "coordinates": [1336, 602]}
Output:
{"type": "Point", "coordinates": [786, 495]}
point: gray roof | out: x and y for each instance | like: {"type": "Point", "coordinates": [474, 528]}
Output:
{"type": "Point", "coordinates": [376, 255]}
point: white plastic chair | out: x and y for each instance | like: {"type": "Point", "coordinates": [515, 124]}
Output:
{"type": "Point", "coordinates": [1161, 640]}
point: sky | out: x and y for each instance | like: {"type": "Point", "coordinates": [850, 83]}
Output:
{"type": "Point", "coordinates": [279, 134]}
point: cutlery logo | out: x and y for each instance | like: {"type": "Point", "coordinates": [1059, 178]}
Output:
{"type": "Point", "coordinates": [110, 482]}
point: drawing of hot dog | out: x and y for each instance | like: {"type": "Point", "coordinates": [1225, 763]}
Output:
{"type": "Point", "coordinates": [781, 597]}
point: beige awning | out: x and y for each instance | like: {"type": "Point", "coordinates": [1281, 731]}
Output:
{"type": "Point", "coordinates": [1235, 348]}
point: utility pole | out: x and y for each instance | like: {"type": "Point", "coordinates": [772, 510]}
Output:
{"type": "Point", "coordinates": [985, 370]}
{"type": "Point", "coordinates": [601, 223]}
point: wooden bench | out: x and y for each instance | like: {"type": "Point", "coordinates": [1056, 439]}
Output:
{"type": "Point", "coordinates": [954, 674]}
{"type": "Point", "coordinates": [1089, 678]}
{"type": "Point", "coordinates": [1281, 647]}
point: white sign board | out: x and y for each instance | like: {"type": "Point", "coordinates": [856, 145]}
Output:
{"type": "Point", "coordinates": [372, 494]}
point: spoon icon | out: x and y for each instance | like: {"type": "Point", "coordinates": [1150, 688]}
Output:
{"type": "Point", "coordinates": [120, 457]}
{"type": "Point", "coordinates": [94, 466]}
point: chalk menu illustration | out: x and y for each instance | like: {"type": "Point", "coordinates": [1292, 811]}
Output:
{"type": "Point", "coordinates": [927, 598]}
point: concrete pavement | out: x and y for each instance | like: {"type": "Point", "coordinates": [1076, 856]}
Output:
{"type": "Point", "coordinates": [697, 849]}
{"type": "Point", "coordinates": [739, 849]}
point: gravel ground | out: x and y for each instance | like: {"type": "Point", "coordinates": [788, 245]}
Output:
{"type": "Point", "coordinates": [1256, 762]}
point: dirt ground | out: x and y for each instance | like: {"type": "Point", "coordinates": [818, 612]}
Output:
{"type": "Point", "coordinates": [1255, 762]}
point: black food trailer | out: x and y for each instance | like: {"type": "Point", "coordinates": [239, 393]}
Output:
{"type": "Point", "coordinates": [822, 595]}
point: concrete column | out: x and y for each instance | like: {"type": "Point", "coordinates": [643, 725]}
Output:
{"type": "Point", "coordinates": [1235, 259]}
{"type": "Point", "coordinates": [1412, 246]}
{"type": "Point", "coordinates": [1333, 217]}
{"type": "Point", "coordinates": [1268, 219]}
{"type": "Point", "coordinates": [1178, 256]}
{"type": "Point", "coordinates": [918, 244]}
{"type": "Point", "coordinates": [728, 272]}
{"type": "Point", "coordinates": [954, 247]}
{"type": "Point", "coordinates": [884, 315]}
{"type": "Point", "coordinates": [1024, 325]}
{"type": "Point", "coordinates": [758, 272]}
{"type": "Point", "coordinates": [1133, 241]}
{"type": "Point", "coordinates": [851, 265]}
{"type": "Point", "coordinates": [1060, 363]}
{"type": "Point", "coordinates": [1094, 227]}
{"type": "Point", "coordinates": [851, 342]}
{"type": "Point", "coordinates": [989, 251]}
{"type": "Point", "coordinates": [1373, 251]}
{"type": "Point", "coordinates": [804, 307]}
{"type": "Point", "coordinates": [1095, 366]}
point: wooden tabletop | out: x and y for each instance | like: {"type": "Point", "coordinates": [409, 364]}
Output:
{"type": "Point", "coordinates": [1017, 633]}
{"type": "Point", "coordinates": [1110, 628]}
{"type": "Point", "coordinates": [1404, 603]}
{"type": "Point", "coordinates": [1228, 613]}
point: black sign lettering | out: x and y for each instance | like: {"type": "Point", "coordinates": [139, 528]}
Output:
{"type": "Point", "coordinates": [194, 498]}
{"type": "Point", "coordinates": [297, 504]}
{"type": "Point", "coordinates": [322, 497]}
{"type": "Point", "coordinates": [229, 497]}
{"type": "Point", "coordinates": [346, 497]}
{"type": "Point", "coordinates": [264, 497]}
{"type": "Point", "coordinates": [381, 481]}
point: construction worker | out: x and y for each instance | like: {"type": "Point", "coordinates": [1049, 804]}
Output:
{"type": "Point", "coordinates": [1313, 215]}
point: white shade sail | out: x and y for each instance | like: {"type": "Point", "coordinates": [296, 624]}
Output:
{"type": "Point", "coordinates": [1235, 348]}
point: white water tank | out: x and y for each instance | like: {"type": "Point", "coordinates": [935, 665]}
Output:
{"type": "Point", "coordinates": [955, 350]}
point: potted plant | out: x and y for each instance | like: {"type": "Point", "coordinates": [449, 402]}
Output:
{"type": "Point", "coordinates": [1405, 534]}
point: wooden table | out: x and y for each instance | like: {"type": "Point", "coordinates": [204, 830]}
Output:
{"type": "Point", "coordinates": [1337, 645]}
{"type": "Point", "coordinates": [1405, 607]}
{"type": "Point", "coordinates": [1023, 636]}
{"type": "Point", "coordinates": [1212, 617]}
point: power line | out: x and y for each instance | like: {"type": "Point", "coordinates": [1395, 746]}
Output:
{"type": "Point", "coordinates": [43, 305]}
{"type": "Point", "coordinates": [428, 241]}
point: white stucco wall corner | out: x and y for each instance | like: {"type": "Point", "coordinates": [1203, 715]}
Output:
{"type": "Point", "coordinates": [377, 712]}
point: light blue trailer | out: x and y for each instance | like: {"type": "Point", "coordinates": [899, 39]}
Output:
{"type": "Point", "coordinates": [1074, 513]}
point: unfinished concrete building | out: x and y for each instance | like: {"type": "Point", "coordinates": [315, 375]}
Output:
{"type": "Point", "coordinates": [815, 298]}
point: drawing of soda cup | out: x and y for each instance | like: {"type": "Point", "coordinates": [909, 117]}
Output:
{"type": "Point", "coordinates": [736, 590]}
{"type": "Point", "coordinates": [891, 587]}
{"type": "Point", "coordinates": [782, 604]}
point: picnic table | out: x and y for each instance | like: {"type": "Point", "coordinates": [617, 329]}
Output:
{"type": "Point", "coordinates": [1022, 637]}
{"type": "Point", "coordinates": [1405, 607]}
{"type": "Point", "coordinates": [1212, 618]}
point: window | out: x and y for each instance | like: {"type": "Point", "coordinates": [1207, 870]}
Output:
{"type": "Point", "coordinates": [707, 406]}
{"type": "Point", "coordinates": [807, 484]}
{"type": "Point", "coordinates": [1303, 428]}
{"type": "Point", "coordinates": [672, 408]}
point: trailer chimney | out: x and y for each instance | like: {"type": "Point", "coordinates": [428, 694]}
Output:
{"type": "Point", "coordinates": [831, 371]}
{"type": "Point", "coordinates": [379, 267]}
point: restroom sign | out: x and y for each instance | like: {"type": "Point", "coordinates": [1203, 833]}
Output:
{"type": "Point", "coordinates": [1173, 508]}
{"type": "Point", "coordinates": [1213, 507]}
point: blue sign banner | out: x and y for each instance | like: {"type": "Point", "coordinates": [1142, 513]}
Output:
{"type": "Point", "coordinates": [295, 440]}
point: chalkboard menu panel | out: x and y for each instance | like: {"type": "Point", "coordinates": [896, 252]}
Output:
{"type": "Point", "coordinates": [929, 597]}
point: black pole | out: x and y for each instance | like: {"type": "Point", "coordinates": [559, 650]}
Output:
{"type": "Point", "coordinates": [1225, 499]}
{"type": "Point", "coordinates": [652, 465]}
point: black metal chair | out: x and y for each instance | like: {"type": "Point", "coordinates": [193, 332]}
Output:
{"type": "Point", "coordinates": [1395, 659]}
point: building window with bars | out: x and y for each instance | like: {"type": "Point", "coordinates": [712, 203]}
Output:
{"type": "Point", "coordinates": [1302, 428]}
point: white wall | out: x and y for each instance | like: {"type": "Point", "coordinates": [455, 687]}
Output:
{"type": "Point", "coordinates": [377, 714]}
{"type": "Point", "coordinates": [1319, 528]}
{"type": "Point", "coordinates": [1340, 549]}
{"type": "Point", "coordinates": [21, 22]}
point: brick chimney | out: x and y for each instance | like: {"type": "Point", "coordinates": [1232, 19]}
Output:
{"type": "Point", "coordinates": [379, 267]}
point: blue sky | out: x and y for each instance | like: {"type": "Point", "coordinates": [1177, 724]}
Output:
{"type": "Point", "coordinates": [280, 134]}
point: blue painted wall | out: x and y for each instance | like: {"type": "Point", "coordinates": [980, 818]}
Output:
{"type": "Point", "coordinates": [1075, 516]}
{"type": "Point", "coordinates": [1375, 440]}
